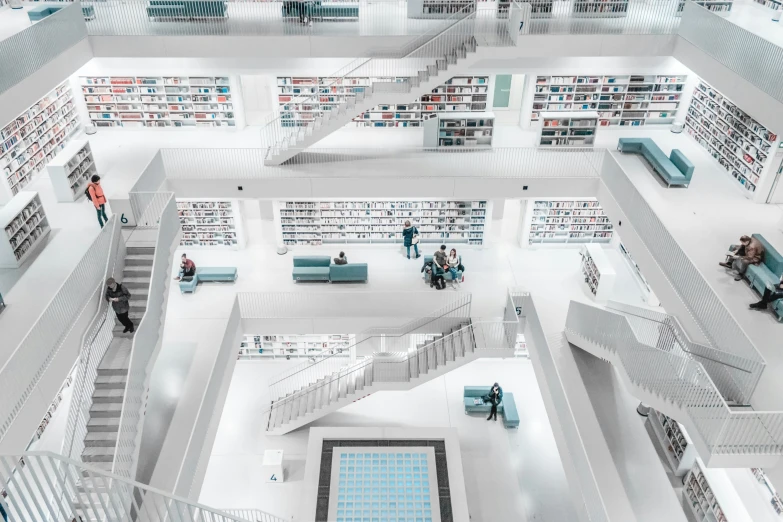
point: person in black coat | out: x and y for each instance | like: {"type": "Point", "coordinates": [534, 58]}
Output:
{"type": "Point", "coordinates": [494, 397]}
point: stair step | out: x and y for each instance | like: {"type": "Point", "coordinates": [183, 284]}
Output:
{"type": "Point", "coordinates": [106, 409]}
{"type": "Point", "coordinates": [138, 305]}
{"type": "Point", "coordinates": [103, 424]}
{"type": "Point", "coordinates": [135, 282]}
{"type": "Point", "coordinates": [98, 454]}
{"type": "Point", "coordinates": [110, 382]}
{"type": "Point", "coordinates": [139, 251]}
{"type": "Point", "coordinates": [139, 260]}
{"type": "Point", "coordinates": [100, 439]}
{"type": "Point", "coordinates": [103, 466]}
{"type": "Point", "coordinates": [105, 396]}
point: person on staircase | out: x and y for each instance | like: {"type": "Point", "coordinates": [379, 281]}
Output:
{"type": "Point", "coordinates": [98, 198]}
{"type": "Point", "coordinates": [187, 268]}
{"type": "Point", "coordinates": [494, 397]}
{"type": "Point", "coordinates": [119, 297]}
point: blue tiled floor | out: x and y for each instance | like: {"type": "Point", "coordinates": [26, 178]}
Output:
{"type": "Point", "coordinates": [386, 486]}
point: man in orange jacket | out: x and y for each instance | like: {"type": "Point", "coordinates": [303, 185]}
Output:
{"type": "Point", "coordinates": [95, 191]}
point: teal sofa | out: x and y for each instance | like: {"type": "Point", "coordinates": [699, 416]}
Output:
{"type": "Point", "coordinates": [316, 9]}
{"type": "Point", "coordinates": [766, 274]}
{"type": "Point", "coordinates": [208, 274]}
{"type": "Point", "coordinates": [674, 170]}
{"type": "Point", "coordinates": [190, 9]}
{"type": "Point", "coordinates": [446, 276]}
{"type": "Point", "coordinates": [507, 407]}
{"type": "Point", "coordinates": [321, 268]}
{"type": "Point", "coordinates": [39, 13]}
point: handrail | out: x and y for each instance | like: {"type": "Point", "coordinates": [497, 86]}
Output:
{"type": "Point", "coordinates": [52, 487]}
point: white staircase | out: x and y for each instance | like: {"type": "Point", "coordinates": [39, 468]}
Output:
{"type": "Point", "coordinates": [671, 380]}
{"type": "Point", "coordinates": [392, 371]}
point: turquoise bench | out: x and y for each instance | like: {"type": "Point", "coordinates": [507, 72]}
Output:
{"type": "Point", "coordinates": [39, 13]}
{"type": "Point", "coordinates": [507, 407]}
{"type": "Point", "coordinates": [208, 274]}
{"type": "Point", "coordinates": [674, 170]}
{"type": "Point", "coordinates": [190, 9]}
{"type": "Point", "coordinates": [767, 273]}
{"type": "Point", "coordinates": [321, 268]}
{"type": "Point", "coordinates": [446, 276]}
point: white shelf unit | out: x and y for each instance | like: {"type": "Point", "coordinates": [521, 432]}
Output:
{"type": "Point", "coordinates": [741, 145]}
{"type": "Point", "coordinates": [719, 7]}
{"type": "Point", "coordinates": [768, 490]}
{"type": "Point", "coordinates": [772, 4]}
{"type": "Point", "coordinates": [700, 498]}
{"type": "Point", "coordinates": [52, 408]}
{"type": "Point", "coordinates": [34, 137]}
{"type": "Point", "coordinates": [567, 129]}
{"type": "Point", "coordinates": [329, 222]}
{"type": "Point", "coordinates": [159, 101]}
{"type": "Point", "coordinates": [254, 347]}
{"type": "Point", "coordinates": [598, 272]}
{"type": "Point", "coordinates": [620, 100]}
{"type": "Point", "coordinates": [647, 290]}
{"type": "Point", "coordinates": [71, 170]}
{"type": "Point", "coordinates": [460, 129]}
{"type": "Point", "coordinates": [568, 221]}
{"type": "Point", "coordinates": [674, 441]}
{"type": "Point", "coordinates": [438, 8]}
{"type": "Point", "coordinates": [26, 226]}
{"type": "Point", "coordinates": [600, 8]}
{"type": "Point", "coordinates": [520, 347]}
{"type": "Point", "coordinates": [210, 223]}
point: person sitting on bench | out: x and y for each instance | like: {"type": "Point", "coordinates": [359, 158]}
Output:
{"type": "Point", "coordinates": [750, 252]}
{"type": "Point", "coordinates": [341, 259]}
{"type": "Point", "coordinates": [187, 268]}
{"type": "Point", "coordinates": [770, 294]}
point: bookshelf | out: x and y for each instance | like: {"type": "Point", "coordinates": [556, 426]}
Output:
{"type": "Point", "coordinates": [598, 272]}
{"type": "Point", "coordinates": [716, 6]}
{"type": "Point", "coordinates": [210, 223]}
{"type": "Point", "coordinates": [159, 101]}
{"type": "Point", "coordinates": [741, 145]}
{"type": "Point", "coordinates": [567, 221]}
{"type": "Point", "coordinates": [629, 100]}
{"type": "Point", "coordinates": [600, 8]}
{"type": "Point", "coordinates": [71, 170]}
{"type": "Point", "coordinates": [541, 8]}
{"type": "Point", "coordinates": [329, 222]}
{"type": "Point", "coordinates": [772, 4]}
{"type": "Point", "coordinates": [567, 129]}
{"type": "Point", "coordinates": [768, 490]}
{"type": "Point", "coordinates": [32, 139]}
{"type": "Point", "coordinates": [674, 441]}
{"type": "Point", "coordinates": [520, 347]}
{"type": "Point", "coordinates": [459, 129]}
{"type": "Point", "coordinates": [438, 8]}
{"type": "Point", "coordinates": [52, 408]}
{"type": "Point", "coordinates": [254, 347]}
{"type": "Point", "coordinates": [26, 226]}
{"type": "Point", "coordinates": [700, 498]}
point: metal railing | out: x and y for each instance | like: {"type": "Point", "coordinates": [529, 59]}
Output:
{"type": "Point", "coordinates": [736, 377]}
{"type": "Point", "coordinates": [146, 341]}
{"type": "Point", "coordinates": [390, 367]}
{"type": "Point", "coordinates": [498, 162]}
{"type": "Point", "coordinates": [94, 345]}
{"type": "Point", "coordinates": [253, 515]}
{"type": "Point", "coordinates": [40, 486]}
{"type": "Point", "coordinates": [682, 380]}
{"type": "Point", "coordinates": [653, 17]}
{"type": "Point", "coordinates": [25, 52]}
{"type": "Point", "coordinates": [707, 310]}
{"type": "Point", "coordinates": [24, 369]}
{"type": "Point", "coordinates": [371, 340]}
{"type": "Point", "coordinates": [148, 207]}
{"type": "Point", "coordinates": [752, 57]}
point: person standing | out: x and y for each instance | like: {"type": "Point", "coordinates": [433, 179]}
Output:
{"type": "Point", "coordinates": [119, 297]}
{"type": "Point", "coordinates": [95, 191]}
{"type": "Point", "coordinates": [495, 397]}
{"type": "Point", "coordinates": [187, 268]}
{"type": "Point", "coordinates": [750, 252]}
{"type": "Point", "coordinates": [410, 236]}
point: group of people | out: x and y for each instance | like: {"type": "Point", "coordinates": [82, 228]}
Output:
{"type": "Point", "coordinates": [750, 251]}
{"type": "Point", "coordinates": [441, 264]}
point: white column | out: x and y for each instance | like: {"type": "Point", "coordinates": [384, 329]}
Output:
{"type": "Point", "coordinates": [526, 110]}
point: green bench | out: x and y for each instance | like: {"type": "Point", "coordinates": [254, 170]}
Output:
{"type": "Point", "coordinates": [208, 274]}
{"type": "Point", "coordinates": [190, 9]}
{"type": "Point", "coordinates": [507, 407]}
{"type": "Point", "coordinates": [37, 14]}
{"type": "Point", "coordinates": [767, 273]}
{"type": "Point", "coordinates": [674, 170]}
{"type": "Point", "coordinates": [321, 268]}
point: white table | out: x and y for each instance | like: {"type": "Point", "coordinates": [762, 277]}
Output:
{"type": "Point", "coordinates": [273, 466]}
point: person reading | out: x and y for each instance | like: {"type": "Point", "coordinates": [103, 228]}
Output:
{"type": "Point", "coordinates": [187, 268]}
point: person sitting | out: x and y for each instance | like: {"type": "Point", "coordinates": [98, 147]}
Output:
{"type": "Point", "coordinates": [187, 268]}
{"type": "Point", "coordinates": [770, 294]}
{"type": "Point", "coordinates": [455, 265]}
{"type": "Point", "coordinates": [749, 252]}
{"type": "Point", "coordinates": [440, 259]}
{"type": "Point", "coordinates": [342, 259]}
{"type": "Point", "coordinates": [435, 274]}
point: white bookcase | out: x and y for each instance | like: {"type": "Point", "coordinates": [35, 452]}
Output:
{"type": "Point", "coordinates": [598, 272]}
{"type": "Point", "coordinates": [255, 347]}
{"type": "Point", "coordinates": [159, 101]}
{"type": "Point", "coordinates": [26, 226]}
{"type": "Point", "coordinates": [600, 8]}
{"type": "Point", "coordinates": [700, 498]}
{"type": "Point", "coordinates": [720, 7]}
{"type": "Point", "coordinates": [32, 139]}
{"type": "Point", "coordinates": [71, 170]}
{"type": "Point", "coordinates": [380, 221]}
{"type": "Point", "coordinates": [741, 144]}
{"type": "Point", "coordinates": [772, 4]}
{"type": "Point", "coordinates": [768, 490]}
{"type": "Point", "coordinates": [438, 8]}
{"type": "Point", "coordinates": [460, 130]}
{"type": "Point", "coordinates": [624, 100]}
{"type": "Point", "coordinates": [210, 223]}
{"type": "Point", "coordinates": [566, 221]}
{"type": "Point", "coordinates": [674, 441]}
{"type": "Point", "coordinates": [567, 129]}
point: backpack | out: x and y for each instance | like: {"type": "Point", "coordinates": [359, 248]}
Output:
{"type": "Point", "coordinates": [87, 193]}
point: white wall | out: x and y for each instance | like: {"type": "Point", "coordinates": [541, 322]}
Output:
{"type": "Point", "coordinates": [258, 92]}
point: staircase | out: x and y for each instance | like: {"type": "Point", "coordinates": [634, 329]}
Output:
{"type": "Point", "coordinates": [673, 381]}
{"type": "Point", "coordinates": [456, 347]}
{"type": "Point", "coordinates": [102, 427]}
